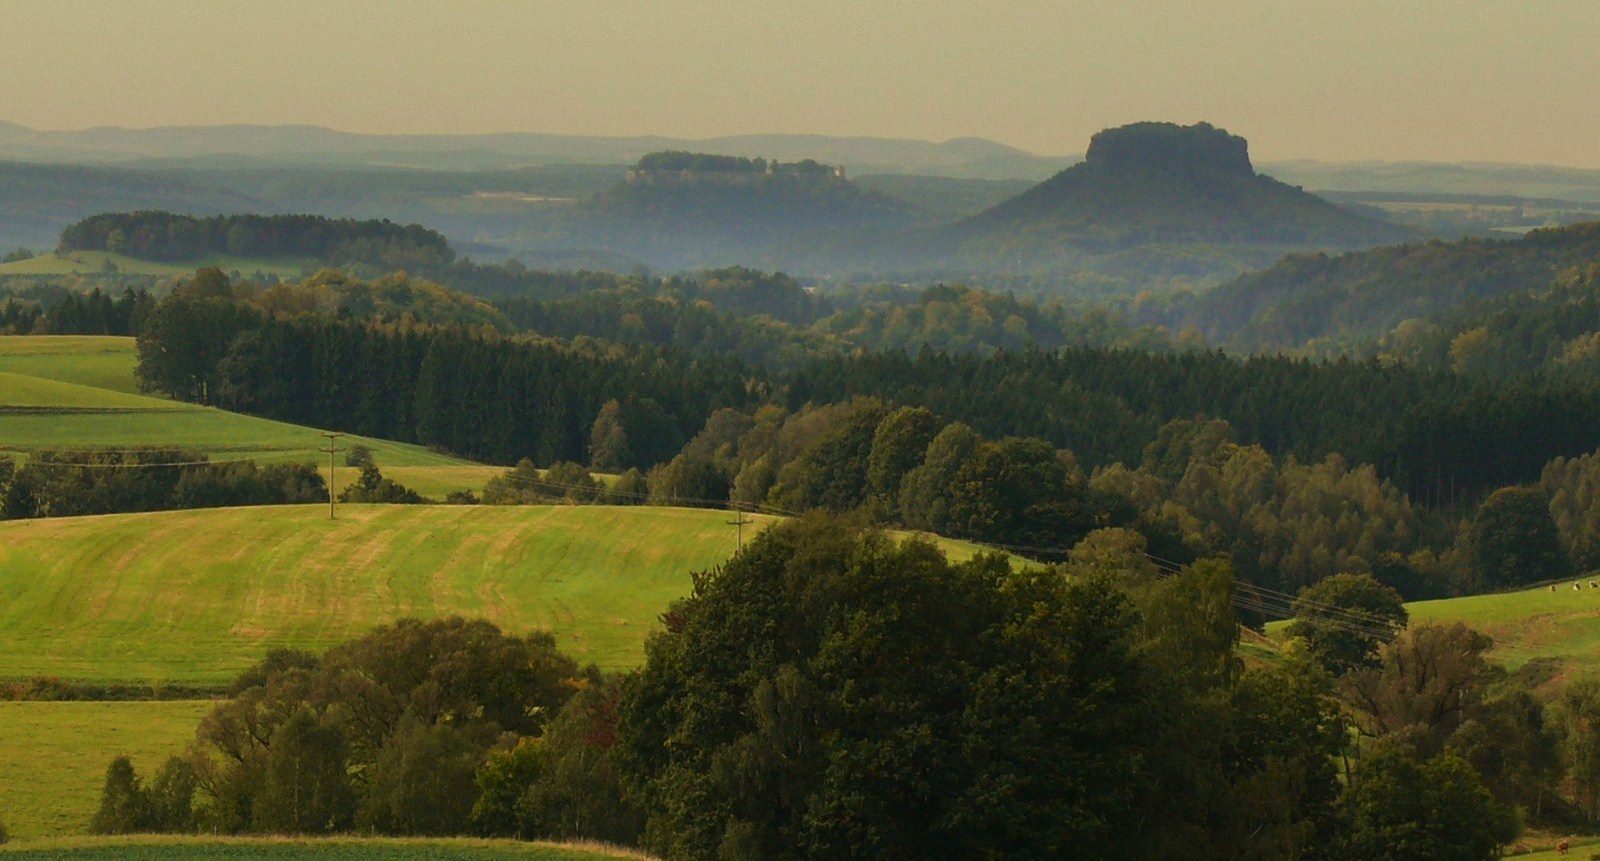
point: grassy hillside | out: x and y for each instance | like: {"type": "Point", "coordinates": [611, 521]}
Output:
{"type": "Point", "coordinates": [53, 756]}
{"type": "Point", "coordinates": [74, 391]}
{"type": "Point", "coordinates": [102, 361]}
{"type": "Point", "coordinates": [196, 596]}
{"type": "Point", "coordinates": [199, 595]}
{"type": "Point", "coordinates": [1560, 629]}
{"type": "Point", "coordinates": [1535, 624]}
{"type": "Point", "coordinates": [90, 262]}
{"type": "Point", "coordinates": [169, 848]}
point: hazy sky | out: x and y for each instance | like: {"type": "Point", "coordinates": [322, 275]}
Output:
{"type": "Point", "coordinates": [1445, 81]}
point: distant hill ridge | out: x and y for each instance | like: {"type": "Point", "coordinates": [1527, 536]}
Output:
{"type": "Point", "coordinates": [1161, 182]}
{"type": "Point", "coordinates": [165, 236]}
{"type": "Point", "coordinates": [1310, 299]}
{"type": "Point", "coordinates": [1153, 204]}
{"type": "Point", "coordinates": [684, 209]}
{"type": "Point", "coordinates": [681, 166]}
{"type": "Point", "coordinates": [307, 145]}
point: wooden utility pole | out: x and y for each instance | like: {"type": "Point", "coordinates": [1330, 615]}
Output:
{"type": "Point", "coordinates": [331, 450]}
{"type": "Point", "coordinates": [740, 520]}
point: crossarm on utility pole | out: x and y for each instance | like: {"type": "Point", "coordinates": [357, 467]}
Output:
{"type": "Point", "coordinates": [331, 450]}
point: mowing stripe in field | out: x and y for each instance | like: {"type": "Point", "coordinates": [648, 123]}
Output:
{"type": "Point", "coordinates": [196, 596]}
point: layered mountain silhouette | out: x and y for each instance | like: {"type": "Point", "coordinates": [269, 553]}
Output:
{"type": "Point", "coordinates": [680, 209]}
{"type": "Point", "coordinates": [1155, 201]}
{"type": "Point", "coordinates": [1159, 182]}
{"type": "Point", "coordinates": [233, 146]}
{"type": "Point", "coordinates": [1150, 203]}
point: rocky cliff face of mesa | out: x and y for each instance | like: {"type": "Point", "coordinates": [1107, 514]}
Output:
{"type": "Point", "coordinates": [1165, 147]}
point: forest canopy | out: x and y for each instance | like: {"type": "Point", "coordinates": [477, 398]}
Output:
{"type": "Point", "coordinates": [164, 236]}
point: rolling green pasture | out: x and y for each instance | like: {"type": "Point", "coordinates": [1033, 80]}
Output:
{"type": "Point", "coordinates": [196, 596]}
{"type": "Point", "coordinates": [101, 361]}
{"type": "Point", "coordinates": [93, 262]}
{"type": "Point", "coordinates": [433, 481]}
{"type": "Point", "coordinates": [74, 391]}
{"type": "Point", "coordinates": [53, 756]}
{"type": "Point", "coordinates": [173, 848]}
{"type": "Point", "coordinates": [1530, 625]}
{"type": "Point", "coordinates": [1563, 625]}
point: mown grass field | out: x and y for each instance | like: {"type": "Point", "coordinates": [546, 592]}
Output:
{"type": "Point", "coordinates": [53, 756]}
{"type": "Point", "coordinates": [153, 848]}
{"type": "Point", "coordinates": [1563, 625]}
{"type": "Point", "coordinates": [432, 481]}
{"type": "Point", "coordinates": [196, 596]}
{"type": "Point", "coordinates": [79, 392]}
{"type": "Point", "coordinates": [102, 361]}
{"type": "Point", "coordinates": [93, 262]}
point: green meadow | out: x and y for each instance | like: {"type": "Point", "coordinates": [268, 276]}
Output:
{"type": "Point", "coordinates": [173, 848]}
{"type": "Point", "coordinates": [101, 361]}
{"type": "Point", "coordinates": [53, 756]}
{"type": "Point", "coordinates": [79, 392]}
{"type": "Point", "coordinates": [196, 596]}
{"type": "Point", "coordinates": [1561, 625]}
{"type": "Point", "coordinates": [193, 597]}
{"type": "Point", "coordinates": [94, 262]}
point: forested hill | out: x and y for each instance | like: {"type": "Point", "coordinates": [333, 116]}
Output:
{"type": "Point", "coordinates": [1160, 184]}
{"type": "Point", "coordinates": [164, 236]}
{"type": "Point", "coordinates": [1555, 332]}
{"type": "Point", "coordinates": [1442, 437]}
{"type": "Point", "coordinates": [682, 210]}
{"type": "Point", "coordinates": [1321, 302]}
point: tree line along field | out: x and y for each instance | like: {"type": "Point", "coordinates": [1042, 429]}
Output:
{"type": "Point", "coordinates": [93, 588]}
{"type": "Point", "coordinates": [79, 391]}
